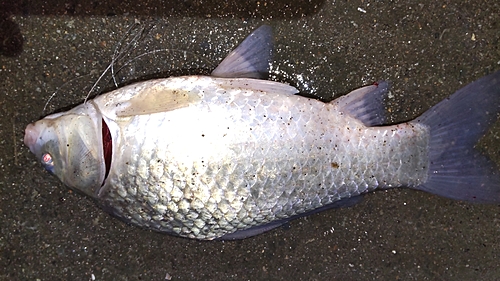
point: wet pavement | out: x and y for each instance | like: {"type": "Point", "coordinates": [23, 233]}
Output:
{"type": "Point", "coordinates": [428, 50]}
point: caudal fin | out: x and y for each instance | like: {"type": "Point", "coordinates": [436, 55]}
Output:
{"type": "Point", "coordinates": [457, 170]}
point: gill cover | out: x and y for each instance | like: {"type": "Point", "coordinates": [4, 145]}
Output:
{"type": "Point", "coordinates": [69, 146]}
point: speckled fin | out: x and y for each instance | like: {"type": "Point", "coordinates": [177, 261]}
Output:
{"type": "Point", "coordinates": [156, 99]}
{"type": "Point", "coordinates": [256, 230]}
{"type": "Point", "coordinates": [251, 59]}
{"type": "Point", "coordinates": [366, 103]}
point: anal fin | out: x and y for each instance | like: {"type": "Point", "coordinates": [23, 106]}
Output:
{"type": "Point", "coordinates": [366, 104]}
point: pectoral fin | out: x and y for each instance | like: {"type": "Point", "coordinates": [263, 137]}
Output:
{"type": "Point", "coordinates": [157, 99]}
{"type": "Point", "coordinates": [256, 85]}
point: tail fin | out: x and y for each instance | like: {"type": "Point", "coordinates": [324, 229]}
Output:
{"type": "Point", "coordinates": [457, 170]}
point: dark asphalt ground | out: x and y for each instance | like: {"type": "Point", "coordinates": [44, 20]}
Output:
{"type": "Point", "coordinates": [428, 50]}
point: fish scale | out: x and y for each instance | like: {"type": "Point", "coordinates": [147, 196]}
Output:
{"type": "Point", "coordinates": [269, 164]}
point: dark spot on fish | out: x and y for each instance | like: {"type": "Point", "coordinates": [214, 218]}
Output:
{"type": "Point", "coordinates": [335, 165]}
{"type": "Point", "coordinates": [203, 135]}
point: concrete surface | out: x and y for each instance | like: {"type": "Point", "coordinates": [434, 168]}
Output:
{"type": "Point", "coordinates": [326, 48]}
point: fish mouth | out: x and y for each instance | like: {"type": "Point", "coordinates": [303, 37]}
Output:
{"type": "Point", "coordinates": [107, 148]}
{"type": "Point", "coordinates": [31, 134]}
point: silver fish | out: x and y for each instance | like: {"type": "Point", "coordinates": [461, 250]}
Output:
{"type": "Point", "coordinates": [229, 156]}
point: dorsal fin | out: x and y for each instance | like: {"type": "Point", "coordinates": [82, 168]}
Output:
{"type": "Point", "coordinates": [251, 59]}
{"type": "Point", "coordinates": [366, 103]}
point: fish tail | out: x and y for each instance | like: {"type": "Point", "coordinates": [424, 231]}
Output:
{"type": "Point", "coordinates": [456, 169]}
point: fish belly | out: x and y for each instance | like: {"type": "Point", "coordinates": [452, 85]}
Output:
{"type": "Point", "coordinates": [242, 158]}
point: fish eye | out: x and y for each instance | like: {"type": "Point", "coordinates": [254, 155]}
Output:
{"type": "Point", "coordinates": [47, 159]}
{"type": "Point", "coordinates": [48, 162]}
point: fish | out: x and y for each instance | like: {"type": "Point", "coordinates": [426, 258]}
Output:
{"type": "Point", "coordinates": [233, 155]}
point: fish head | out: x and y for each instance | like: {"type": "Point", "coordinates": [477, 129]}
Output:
{"type": "Point", "coordinates": [68, 146]}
